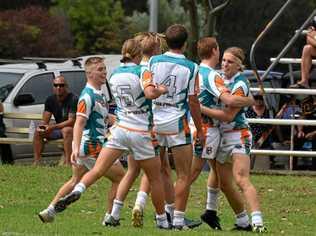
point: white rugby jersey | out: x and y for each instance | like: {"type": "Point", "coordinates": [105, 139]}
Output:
{"type": "Point", "coordinates": [239, 86]}
{"type": "Point", "coordinates": [211, 88]}
{"type": "Point", "coordinates": [127, 84]}
{"type": "Point", "coordinates": [179, 75]}
{"type": "Point", "coordinates": [93, 106]}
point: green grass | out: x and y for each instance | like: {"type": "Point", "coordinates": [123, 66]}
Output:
{"type": "Point", "coordinates": [288, 204]}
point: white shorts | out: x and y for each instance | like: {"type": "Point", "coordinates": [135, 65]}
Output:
{"type": "Point", "coordinates": [173, 140]}
{"type": "Point", "coordinates": [142, 145]}
{"type": "Point", "coordinates": [212, 141]}
{"type": "Point", "coordinates": [234, 142]}
{"type": "Point", "coordinates": [89, 162]}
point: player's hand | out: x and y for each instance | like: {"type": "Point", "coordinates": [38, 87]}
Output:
{"type": "Point", "coordinates": [162, 89]}
{"type": "Point", "coordinates": [73, 158]}
{"type": "Point", "coordinates": [200, 137]}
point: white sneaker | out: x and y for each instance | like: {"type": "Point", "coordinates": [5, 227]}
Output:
{"type": "Point", "coordinates": [106, 218]}
{"type": "Point", "coordinates": [46, 216]}
{"type": "Point", "coordinates": [137, 216]}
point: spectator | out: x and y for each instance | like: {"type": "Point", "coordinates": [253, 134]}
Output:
{"type": "Point", "coordinates": [306, 135]}
{"type": "Point", "coordinates": [309, 51]}
{"type": "Point", "coordinates": [5, 149]}
{"type": "Point", "coordinates": [62, 105]}
{"type": "Point", "coordinates": [259, 110]}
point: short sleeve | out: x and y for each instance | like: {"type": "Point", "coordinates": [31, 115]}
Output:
{"type": "Point", "coordinates": [146, 78]}
{"type": "Point", "coordinates": [48, 104]}
{"type": "Point", "coordinates": [240, 89]}
{"type": "Point", "coordinates": [216, 85]}
{"type": "Point", "coordinates": [84, 106]}
{"type": "Point", "coordinates": [194, 84]}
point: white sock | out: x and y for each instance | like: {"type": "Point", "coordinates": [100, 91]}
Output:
{"type": "Point", "coordinates": [79, 187]}
{"type": "Point", "coordinates": [170, 209]}
{"type": "Point", "coordinates": [212, 198]}
{"type": "Point", "coordinates": [162, 220]}
{"type": "Point", "coordinates": [178, 218]}
{"type": "Point", "coordinates": [141, 199]}
{"type": "Point", "coordinates": [256, 218]}
{"type": "Point", "coordinates": [242, 219]}
{"type": "Point", "coordinates": [51, 209]}
{"type": "Point", "coordinates": [116, 209]}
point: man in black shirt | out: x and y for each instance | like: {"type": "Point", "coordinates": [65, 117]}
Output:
{"type": "Point", "coordinates": [62, 105]}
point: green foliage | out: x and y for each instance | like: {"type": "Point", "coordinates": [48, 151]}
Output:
{"type": "Point", "coordinates": [97, 26]}
{"type": "Point", "coordinates": [33, 31]}
{"type": "Point", "coordinates": [288, 205]}
{"type": "Point", "coordinates": [170, 12]}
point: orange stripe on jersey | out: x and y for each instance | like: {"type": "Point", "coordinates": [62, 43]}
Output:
{"type": "Point", "coordinates": [81, 108]}
{"type": "Point", "coordinates": [219, 83]}
{"type": "Point", "coordinates": [239, 92]}
{"type": "Point", "coordinates": [147, 79]}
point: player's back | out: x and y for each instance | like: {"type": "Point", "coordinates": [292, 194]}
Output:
{"type": "Point", "coordinates": [178, 74]}
{"type": "Point", "coordinates": [133, 109]}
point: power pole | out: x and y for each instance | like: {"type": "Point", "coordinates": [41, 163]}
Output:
{"type": "Point", "coordinates": [153, 15]}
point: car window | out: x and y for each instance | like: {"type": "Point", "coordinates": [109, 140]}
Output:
{"type": "Point", "coordinates": [40, 86]}
{"type": "Point", "coordinates": [76, 80]}
{"type": "Point", "coordinates": [7, 83]}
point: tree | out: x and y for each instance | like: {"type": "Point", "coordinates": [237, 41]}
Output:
{"type": "Point", "coordinates": [33, 31]}
{"type": "Point", "coordinates": [97, 26]}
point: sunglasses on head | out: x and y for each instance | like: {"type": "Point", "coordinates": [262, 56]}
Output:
{"type": "Point", "coordinates": [59, 85]}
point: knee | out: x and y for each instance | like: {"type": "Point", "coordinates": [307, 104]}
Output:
{"type": "Point", "coordinates": [67, 133]}
{"type": "Point", "coordinates": [242, 181]}
{"type": "Point", "coordinates": [307, 50]}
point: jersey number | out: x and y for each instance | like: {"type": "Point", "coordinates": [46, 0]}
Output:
{"type": "Point", "coordinates": [125, 96]}
{"type": "Point", "coordinates": [170, 82]}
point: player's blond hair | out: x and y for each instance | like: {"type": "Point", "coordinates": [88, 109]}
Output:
{"type": "Point", "coordinates": [130, 50]}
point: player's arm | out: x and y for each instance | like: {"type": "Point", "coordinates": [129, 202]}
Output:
{"type": "Point", "coordinates": [77, 132]}
{"type": "Point", "coordinates": [236, 101]}
{"type": "Point", "coordinates": [151, 90]}
{"type": "Point", "coordinates": [226, 115]}
{"type": "Point", "coordinates": [195, 109]}
{"type": "Point", "coordinates": [111, 119]}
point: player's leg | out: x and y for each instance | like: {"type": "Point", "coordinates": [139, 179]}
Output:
{"type": "Point", "coordinates": [115, 174]}
{"type": "Point", "coordinates": [150, 167]}
{"type": "Point", "coordinates": [183, 159]}
{"type": "Point", "coordinates": [104, 161]}
{"type": "Point", "coordinates": [210, 215]}
{"type": "Point", "coordinates": [47, 215]}
{"type": "Point", "coordinates": [225, 175]}
{"type": "Point", "coordinates": [241, 170]}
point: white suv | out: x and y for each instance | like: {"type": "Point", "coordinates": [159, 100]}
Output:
{"type": "Point", "coordinates": [25, 87]}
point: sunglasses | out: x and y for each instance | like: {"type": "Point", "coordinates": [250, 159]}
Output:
{"type": "Point", "coordinates": [59, 85]}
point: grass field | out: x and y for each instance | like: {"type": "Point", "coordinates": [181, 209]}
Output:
{"type": "Point", "coordinates": [288, 204]}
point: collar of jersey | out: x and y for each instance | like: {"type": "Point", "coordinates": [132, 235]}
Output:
{"type": "Point", "coordinates": [94, 89]}
{"type": "Point", "coordinates": [207, 66]}
{"type": "Point", "coordinates": [144, 63]}
{"type": "Point", "coordinates": [171, 54]}
{"type": "Point", "coordinates": [232, 79]}
{"type": "Point", "coordinates": [128, 64]}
